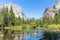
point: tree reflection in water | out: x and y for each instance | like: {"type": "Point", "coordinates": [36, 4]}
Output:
{"type": "Point", "coordinates": [22, 35]}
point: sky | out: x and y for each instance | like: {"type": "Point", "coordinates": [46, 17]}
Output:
{"type": "Point", "coordinates": [32, 8]}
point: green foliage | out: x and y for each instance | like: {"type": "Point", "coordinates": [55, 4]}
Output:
{"type": "Point", "coordinates": [57, 19]}
{"type": "Point", "coordinates": [1, 19]}
{"type": "Point", "coordinates": [51, 35]}
{"type": "Point", "coordinates": [11, 17]}
{"type": "Point", "coordinates": [18, 21]}
{"type": "Point", "coordinates": [8, 19]}
{"type": "Point", "coordinates": [54, 26]}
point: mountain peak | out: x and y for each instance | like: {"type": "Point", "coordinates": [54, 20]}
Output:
{"type": "Point", "coordinates": [57, 5]}
{"type": "Point", "coordinates": [16, 9]}
{"type": "Point", "coordinates": [51, 12]}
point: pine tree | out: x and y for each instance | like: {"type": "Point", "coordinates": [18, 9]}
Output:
{"type": "Point", "coordinates": [11, 17]}
{"type": "Point", "coordinates": [5, 15]}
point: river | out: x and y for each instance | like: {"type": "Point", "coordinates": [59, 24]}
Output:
{"type": "Point", "coordinates": [31, 35]}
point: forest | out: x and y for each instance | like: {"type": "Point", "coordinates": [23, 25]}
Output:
{"type": "Point", "coordinates": [9, 24]}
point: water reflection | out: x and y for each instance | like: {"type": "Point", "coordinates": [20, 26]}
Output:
{"type": "Point", "coordinates": [34, 35]}
{"type": "Point", "coordinates": [29, 35]}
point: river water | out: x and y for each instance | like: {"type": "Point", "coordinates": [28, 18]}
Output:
{"type": "Point", "coordinates": [31, 35]}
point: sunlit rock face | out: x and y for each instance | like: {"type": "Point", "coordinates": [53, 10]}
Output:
{"type": "Point", "coordinates": [16, 9]}
{"type": "Point", "coordinates": [57, 5]}
{"type": "Point", "coordinates": [51, 12]}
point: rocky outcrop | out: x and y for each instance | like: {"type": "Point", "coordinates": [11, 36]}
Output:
{"type": "Point", "coordinates": [51, 12]}
{"type": "Point", "coordinates": [16, 9]}
{"type": "Point", "coordinates": [57, 5]}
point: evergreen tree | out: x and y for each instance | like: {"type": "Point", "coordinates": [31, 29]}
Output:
{"type": "Point", "coordinates": [57, 19]}
{"type": "Point", "coordinates": [11, 17]}
{"type": "Point", "coordinates": [18, 21]}
{"type": "Point", "coordinates": [5, 15]}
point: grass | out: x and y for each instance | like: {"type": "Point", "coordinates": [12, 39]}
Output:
{"type": "Point", "coordinates": [1, 37]}
{"type": "Point", "coordinates": [14, 28]}
{"type": "Point", "coordinates": [53, 27]}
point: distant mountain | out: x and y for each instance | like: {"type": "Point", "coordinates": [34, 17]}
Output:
{"type": "Point", "coordinates": [57, 5]}
{"type": "Point", "coordinates": [16, 9]}
{"type": "Point", "coordinates": [51, 12]}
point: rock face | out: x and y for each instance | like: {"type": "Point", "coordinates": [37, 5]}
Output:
{"type": "Point", "coordinates": [51, 12]}
{"type": "Point", "coordinates": [57, 5]}
{"type": "Point", "coordinates": [16, 9]}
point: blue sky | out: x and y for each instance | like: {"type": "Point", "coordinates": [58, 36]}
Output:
{"type": "Point", "coordinates": [32, 8]}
